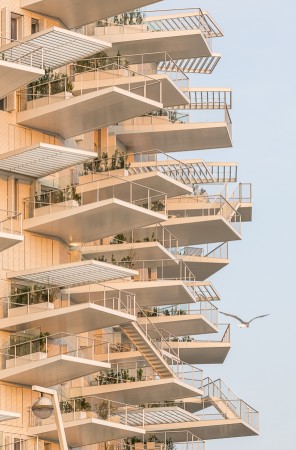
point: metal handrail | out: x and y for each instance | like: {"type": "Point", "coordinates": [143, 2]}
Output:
{"type": "Point", "coordinates": [11, 222]}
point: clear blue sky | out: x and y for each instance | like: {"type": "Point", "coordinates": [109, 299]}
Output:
{"type": "Point", "coordinates": [258, 62]}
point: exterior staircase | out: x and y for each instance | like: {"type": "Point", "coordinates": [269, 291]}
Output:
{"type": "Point", "coordinates": [148, 349]}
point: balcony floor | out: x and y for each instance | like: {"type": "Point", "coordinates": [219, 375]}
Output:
{"type": "Point", "coordinates": [174, 137]}
{"type": "Point", "coordinates": [81, 432]}
{"type": "Point", "coordinates": [76, 115]}
{"type": "Point", "coordinates": [198, 352]}
{"type": "Point", "coordinates": [8, 240]}
{"type": "Point", "coordinates": [82, 12]}
{"type": "Point", "coordinates": [140, 391]}
{"type": "Point", "coordinates": [70, 319]}
{"type": "Point", "coordinates": [181, 325]}
{"type": "Point", "coordinates": [96, 220]}
{"type": "Point", "coordinates": [14, 75]}
{"type": "Point", "coordinates": [52, 370]}
{"type": "Point", "coordinates": [206, 429]}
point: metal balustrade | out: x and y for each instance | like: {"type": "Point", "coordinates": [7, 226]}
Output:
{"type": "Point", "coordinates": [34, 300]}
{"type": "Point", "coordinates": [11, 222]}
{"type": "Point", "coordinates": [109, 187]}
{"type": "Point", "coordinates": [53, 345]}
{"type": "Point", "coordinates": [207, 251]}
{"type": "Point", "coordinates": [41, 94]}
{"type": "Point", "coordinates": [18, 52]}
{"type": "Point", "coordinates": [207, 98]}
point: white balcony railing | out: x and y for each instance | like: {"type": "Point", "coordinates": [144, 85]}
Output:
{"type": "Point", "coordinates": [11, 222]}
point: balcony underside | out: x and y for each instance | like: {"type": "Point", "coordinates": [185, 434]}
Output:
{"type": "Point", "coordinates": [200, 230]}
{"type": "Point", "coordinates": [8, 240]}
{"type": "Point", "coordinates": [93, 221]}
{"type": "Point", "coordinates": [148, 293]}
{"type": "Point", "coordinates": [140, 391]}
{"type": "Point", "coordinates": [71, 319]}
{"type": "Point", "coordinates": [206, 429]}
{"type": "Point", "coordinates": [170, 94]}
{"type": "Point", "coordinates": [201, 267]}
{"type": "Point", "coordinates": [8, 415]}
{"type": "Point", "coordinates": [174, 137]}
{"type": "Point", "coordinates": [141, 251]}
{"type": "Point", "coordinates": [182, 44]}
{"type": "Point", "coordinates": [201, 352]}
{"type": "Point", "coordinates": [51, 371]}
{"type": "Point", "coordinates": [181, 325]}
{"type": "Point", "coordinates": [76, 115]}
{"type": "Point", "coordinates": [81, 432]}
{"type": "Point", "coordinates": [15, 75]}
{"type": "Point", "coordinates": [82, 12]}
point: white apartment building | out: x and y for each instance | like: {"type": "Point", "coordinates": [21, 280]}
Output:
{"type": "Point", "coordinates": [107, 239]}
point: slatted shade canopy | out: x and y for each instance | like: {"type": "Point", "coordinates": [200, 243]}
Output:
{"type": "Point", "coordinates": [42, 159]}
{"type": "Point", "coordinates": [73, 274]}
{"type": "Point", "coordinates": [59, 47]}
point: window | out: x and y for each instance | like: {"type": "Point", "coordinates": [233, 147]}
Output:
{"type": "Point", "coordinates": [16, 25]}
{"type": "Point", "coordinates": [3, 104]}
{"type": "Point", "coordinates": [34, 26]}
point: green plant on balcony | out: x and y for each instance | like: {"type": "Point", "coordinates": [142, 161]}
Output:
{"type": "Point", "coordinates": [112, 377]}
{"type": "Point", "coordinates": [105, 164]}
{"type": "Point", "coordinates": [50, 83]}
{"type": "Point", "coordinates": [100, 258]}
{"type": "Point", "coordinates": [104, 409]}
{"type": "Point", "coordinates": [81, 404]}
{"type": "Point", "coordinates": [66, 407]}
{"type": "Point", "coordinates": [119, 239]}
{"type": "Point", "coordinates": [156, 205]}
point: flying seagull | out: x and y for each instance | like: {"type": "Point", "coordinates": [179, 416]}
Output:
{"type": "Point", "coordinates": [243, 324]}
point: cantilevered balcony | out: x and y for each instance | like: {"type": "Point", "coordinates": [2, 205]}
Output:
{"type": "Point", "coordinates": [90, 211]}
{"type": "Point", "coordinates": [197, 351]}
{"type": "Point", "coordinates": [193, 171]}
{"type": "Point", "coordinates": [48, 309]}
{"type": "Point", "coordinates": [51, 359]}
{"type": "Point", "coordinates": [167, 130]}
{"type": "Point", "coordinates": [101, 420]}
{"type": "Point", "coordinates": [117, 71]}
{"type": "Point", "coordinates": [219, 402]}
{"type": "Point", "coordinates": [183, 320]}
{"type": "Point", "coordinates": [52, 107]}
{"type": "Point", "coordinates": [202, 261]}
{"type": "Point", "coordinates": [183, 34]}
{"type": "Point", "coordinates": [11, 232]}
{"type": "Point", "coordinates": [241, 200]}
{"type": "Point", "coordinates": [136, 381]}
{"type": "Point", "coordinates": [83, 11]}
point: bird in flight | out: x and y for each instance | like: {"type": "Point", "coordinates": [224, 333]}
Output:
{"type": "Point", "coordinates": [243, 324]}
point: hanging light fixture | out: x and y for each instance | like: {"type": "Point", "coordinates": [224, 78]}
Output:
{"type": "Point", "coordinates": [42, 407]}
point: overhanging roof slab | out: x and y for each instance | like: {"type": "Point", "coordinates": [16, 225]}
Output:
{"type": "Point", "coordinates": [93, 221]}
{"type": "Point", "coordinates": [81, 432]}
{"type": "Point", "coordinates": [72, 274]}
{"type": "Point", "coordinates": [174, 137]}
{"type": "Point", "coordinates": [181, 325]}
{"type": "Point", "coordinates": [198, 352]}
{"type": "Point", "coordinates": [40, 160]}
{"type": "Point", "coordinates": [206, 429]}
{"type": "Point", "coordinates": [148, 293]}
{"type": "Point", "coordinates": [14, 75]}
{"type": "Point", "coordinates": [181, 44]}
{"type": "Point", "coordinates": [79, 114]}
{"type": "Point", "coordinates": [140, 391]}
{"type": "Point", "coordinates": [82, 12]}
{"type": "Point", "coordinates": [8, 240]}
{"type": "Point", "coordinates": [50, 371]}
{"type": "Point", "coordinates": [53, 47]}
{"type": "Point", "coordinates": [70, 319]}
{"type": "Point", "coordinates": [170, 93]}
